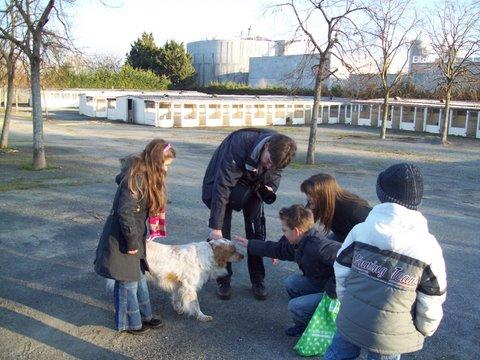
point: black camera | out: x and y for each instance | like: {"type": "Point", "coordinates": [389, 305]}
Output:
{"type": "Point", "coordinates": [267, 195]}
{"type": "Point", "coordinates": [242, 192]}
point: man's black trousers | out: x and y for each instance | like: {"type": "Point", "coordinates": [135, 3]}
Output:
{"type": "Point", "coordinates": [252, 212]}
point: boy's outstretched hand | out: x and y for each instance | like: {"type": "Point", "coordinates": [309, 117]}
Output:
{"type": "Point", "coordinates": [244, 242]}
{"type": "Point", "coordinates": [241, 240]}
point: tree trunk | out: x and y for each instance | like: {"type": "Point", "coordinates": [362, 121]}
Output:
{"type": "Point", "coordinates": [39, 161]}
{"type": "Point", "coordinates": [446, 121]}
{"type": "Point", "coordinates": [313, 124]}
{"type": "Point", "coordinates": [383, 131]}
{"type": "Point", "coordinates": [8, 106]}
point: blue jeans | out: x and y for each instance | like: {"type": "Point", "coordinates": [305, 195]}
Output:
{"type": "Point", "coordinates": [132, 303]}
{"type": "Point", "coordinates": [341, 349]}
{"type": "Point", "coordinates": [305, 295]}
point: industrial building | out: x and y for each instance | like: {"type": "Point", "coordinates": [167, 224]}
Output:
{"type": "Point", "coordinates": [255, 61]}
{"type": "Point", "coordinates": [226, 60]}
{"type": "Point", "coordinates": [291, 71]}
{"type": "Point", "coordinates": [423, 70]}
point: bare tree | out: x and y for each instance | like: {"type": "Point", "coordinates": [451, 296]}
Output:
{"type": "Point", "coordinates": [9, 53]}
{"type": "Point", "coordinates": [454, 35]}
{"type": "Point", "coordinates": [335, 17]}
{"type": "Point", "coordinates": [386, 38]}
{"type": "Point", "coordinates": [34, 41]}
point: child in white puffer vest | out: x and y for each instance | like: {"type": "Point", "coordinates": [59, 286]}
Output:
{"type": "Point", "coordinates": [390, 275]}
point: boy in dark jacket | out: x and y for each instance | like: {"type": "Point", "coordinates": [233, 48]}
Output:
{"type": "Point", "coordinates": [248, 161]}
{"type": "Point", "coordinates": [314, 254]}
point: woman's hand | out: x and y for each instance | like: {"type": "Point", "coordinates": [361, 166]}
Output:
{"type": "Point", "coordinates": [132, 252]}
{"type": "Point", "coordinates": [241, 240]}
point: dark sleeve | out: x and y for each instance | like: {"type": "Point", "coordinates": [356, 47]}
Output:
{"type": "Point", "coordinates": [315, 253]}
{"type": "Point", "coordinates": [330, 287]}
{"type": "Point", "coordinates": [273, 179]}
{"type": "Point", "coordinates": [281, 249]}
{"type": "Point", "coordinates": [360, 213]}
{"type": "Point", "coordinates": [127, 207]}
{"type": "Point", "coordinates": [118, 178]}
{"type": "Point", "coordinates": [328, 251]}
{"type": "Point", "coordinates": [229, 172]}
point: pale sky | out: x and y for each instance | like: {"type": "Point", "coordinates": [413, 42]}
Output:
{"type": "Point", "coordinates": [102, 30]}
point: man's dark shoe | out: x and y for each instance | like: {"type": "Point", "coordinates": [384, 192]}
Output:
{"type": "Point", "coordinates": [259, 291]}
{"type": "Point", "coordinates": [140, 331]}
{"type": "Point", "coordinates": [153, 323]}
{"type": "Point", "coordinates": [223, 290]}
{"type": "Point", "coordinates": [295, 330]}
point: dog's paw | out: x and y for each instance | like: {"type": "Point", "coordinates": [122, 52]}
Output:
{"type": "Point", "coordinates": [178, 310]}
{"type": "Point", "coordinates": [177, 306]}
{"type": "Point", "coordinates": [204, 318]}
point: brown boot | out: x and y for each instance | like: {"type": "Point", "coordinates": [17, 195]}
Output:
{"type": "Point", "coordinates": [153, 323]}
{"type": "Point", "coordinates": [140, 331]}
{"type": "Point", "coordinates": [223, 290]}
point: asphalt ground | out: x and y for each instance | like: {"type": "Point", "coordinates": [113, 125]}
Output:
{"type": "Point", "coordinates": [52, 304]}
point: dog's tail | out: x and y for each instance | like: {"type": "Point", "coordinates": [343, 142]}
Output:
{"type": "Point", "coordinates": [109, 285]}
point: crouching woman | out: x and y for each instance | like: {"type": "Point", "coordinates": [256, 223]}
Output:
{"type": "Point", "coordinates": [121, 252]}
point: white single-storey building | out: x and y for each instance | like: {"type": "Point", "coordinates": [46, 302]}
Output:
{"type": "Point", "coordinates": [419, 115]}
{"type": "Point", "coordinates": [192, 110]}
{"type": "Point", "coordinates": [98, 103]}
{"type": "Point", "coordinates": [58, 99]}
{"type": "Point", "coordinates": [112, 104]}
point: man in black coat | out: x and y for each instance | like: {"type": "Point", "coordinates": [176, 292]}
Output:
{"type": "Point", "coordinates": [244, 172]}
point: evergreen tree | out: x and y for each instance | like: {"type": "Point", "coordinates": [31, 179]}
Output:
{"type": "Point", "coordinates": [176, 64]}
{"type": "Point", "coordinates": [145, 54]}
{"type": "Point", "coordinates": [171, 60]}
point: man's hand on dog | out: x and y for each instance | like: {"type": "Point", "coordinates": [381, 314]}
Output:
{"type": "Point", "coordinates": [215, 234]}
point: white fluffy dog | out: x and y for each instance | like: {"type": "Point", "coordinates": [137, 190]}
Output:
{"type": "Point", "coordinates": [183, 269]}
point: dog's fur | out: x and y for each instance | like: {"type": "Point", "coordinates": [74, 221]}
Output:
{"type": "Point", "coordinates": [183, 269]}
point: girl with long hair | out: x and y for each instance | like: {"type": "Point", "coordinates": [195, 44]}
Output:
{"type": "Point", "coordinates": [337, 209]}
{"type": "Point", "coordinates": [121, 252]}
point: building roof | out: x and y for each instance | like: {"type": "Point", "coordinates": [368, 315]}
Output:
{"type": "Point", "coordinates": [235, 98]}
{"type": "Point", "coordinates": [467, 105]}
{"type": "Point", "coordinates": [118, 93]}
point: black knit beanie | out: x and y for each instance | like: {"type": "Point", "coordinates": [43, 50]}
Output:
{"type": "Point", "coordinates": [401, 184]}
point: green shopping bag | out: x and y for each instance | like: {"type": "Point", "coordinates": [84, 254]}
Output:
{"type": "Point", "coordinates": [318, 335]}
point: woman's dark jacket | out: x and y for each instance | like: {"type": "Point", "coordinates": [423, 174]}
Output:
{"type": "Point", "coordinates": [240, 150]}
{"type": "Point", "coordinates": [124, 230]}
{"type": "Point", "coordinates": [347, 214]}
{"type": "Point", "coordinates": [314, 254]}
